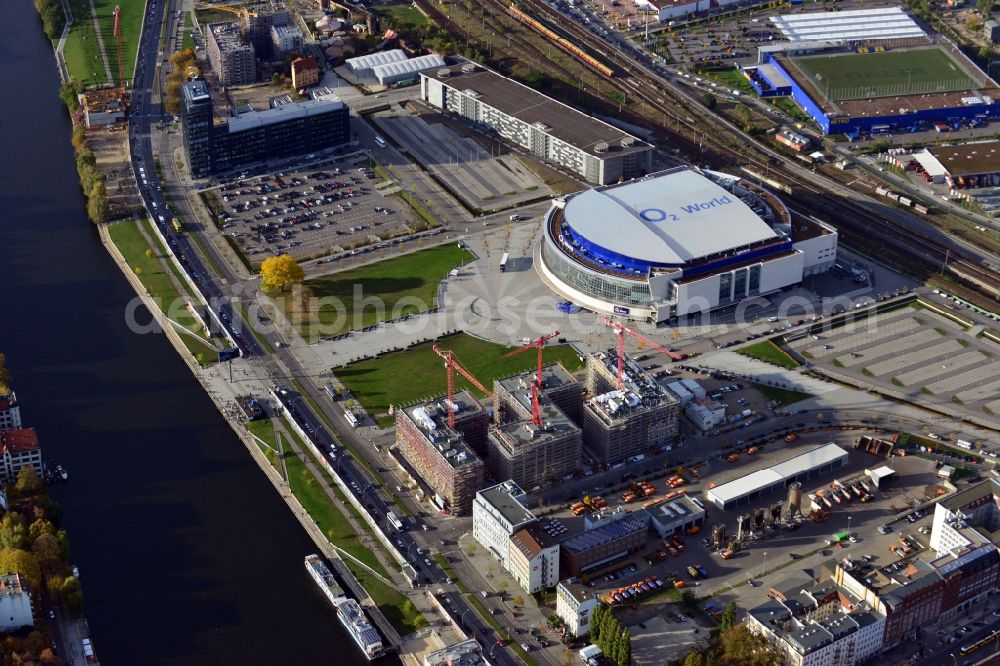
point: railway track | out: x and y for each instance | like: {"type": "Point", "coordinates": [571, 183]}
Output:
{"type": "Point", "coordinates": [688, 123]}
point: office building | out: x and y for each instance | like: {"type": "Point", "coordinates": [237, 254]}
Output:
{"type": "Point", "coordinates": [637, 418]}
{"type": "Point", "coordinates": [498, 512]}
{"type": "Point", "coordinates": [512, 395]}
{"type": "Point", "coordinates": [249, 136]}
{"type": "Point", "coordinates": [705, 413]}
{"type": "Point", "coordinates": [15, 603]}
{"type": "Point", "coordinates": [196, 127]}
{"type": "Point", "coordinates": [305, 72]}
{"type": "Point", "coordinates": [575, 603]}
{"type": "Point", "coordinates": [286, 39]}
{"type": "Point", "coordinates": [535, 455]}
{"type": "Point", "coordinates": [549, 130]}
{"type": "Point", "coordinates": [533, 558]}
{"type": "Point", "coordinates": [10, 412]}
{"type": "Point", "coordinates": [613, 538]}
{"type": "Point", "coordinates": [19, 448]}
{"type": "Point", "coordinates": [439, 454]}
{"type": "Point", "coordinates": [233, 60]}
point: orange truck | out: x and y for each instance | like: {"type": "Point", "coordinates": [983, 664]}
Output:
{"type": "Point", "coordinates": [727, 553]}
{"type": "Point", "coordinates": [629, 497]}
{"type": "Point", "coordinates": [752, 450]}
{"type": "Point", "coordinates": [791, 437]}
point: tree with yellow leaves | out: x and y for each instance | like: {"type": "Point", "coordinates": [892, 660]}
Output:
{"type": "Point", "coordinates": [279, 272]}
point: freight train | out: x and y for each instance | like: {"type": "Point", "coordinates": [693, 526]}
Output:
{"type": "Point", "coordinates": [560, 41]}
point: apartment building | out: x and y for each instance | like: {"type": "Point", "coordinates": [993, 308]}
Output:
{"type": "Point", "coordinates": [10, 412]}
{"type": "Point", "coordinates": [233, 60]}
{"type": "Point", "coordinates": [19, 448]}
{"type": "Point", "coordinates": [575, 603]}
{"type": "Point", "coordinates": [533, 558]}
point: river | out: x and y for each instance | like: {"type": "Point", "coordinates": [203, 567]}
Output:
{"type": "Point", "coordinates": [186, 552]}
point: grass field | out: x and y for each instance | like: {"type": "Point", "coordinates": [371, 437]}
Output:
{"type": "Point", "coordinates": [131, 243]}
{"type": "Point", "coordinates": [403, 14]}
{"type": "Point", "coordinates": [904, 72]}
{"type": "Point", "coordinates": [769, 352]}
{"type": "Point", "coordinates": [783, 396]}
{"type": "Point", "coordinates": [403, 377]}
{"type": "Point", "coordinates": [82, 51]}
{"type": "Point", "coordinates": [400, 286]}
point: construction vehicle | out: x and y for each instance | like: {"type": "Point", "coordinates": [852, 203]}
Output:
{"type": "Point", "coordinates": [727, 553]}
{"type": "Point", "coordinates": [629, 497]}
{"type": "Point", "coordinates": [791, 437]}
{"type": "Point", "coordinates": [679, 584]}
{"type": "Point", "coordinates": [752, 450]}
{"type": "Point", "coordinates": [732, 457]}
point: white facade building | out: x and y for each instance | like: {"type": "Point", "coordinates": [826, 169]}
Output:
{"type": "Point", "coordinates": [533, 559]}
{"type": "Point", "coordinates": [575, 603]}
{"type": "Point", "coordinates": [15, 603]}
{"type": "Point", "coordinates": [705, 413]}
{"type": "Point", "coordinates": [287, 39]}
{"type": "Point", "coordinates": [498, 512]}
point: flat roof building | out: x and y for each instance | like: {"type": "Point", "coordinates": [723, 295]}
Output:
{"type": "Point", "coordinates": [466, 653]}
{"type": "Point", "coordinates": [532, 455]}
{"type": "Point", "coordinates": [103, 107]}
{"type": "Point", "coordinates": [967, 165]}
{"type": "Point", "coordinates": [613, 539]}
{"type": "Point", "coordinates": [512, 395]}
{"type": "Point", "coordinates": [550, 130]}
{"type": "Point", "coordinates": [763, 481]}
{"type": "Point", "coordinates": [498, 512]}
{"type": "Point", "coordinates": [15, 603]}
{"type": "Point", "coordinates": [286, 39]}
{"type": "Point", "coordinates": [575, 603]}
{"type": "Point", "coordinates": [674, 516]}
{"type": "Point", "coordinates": [620, 423]}
{"type": "Point", "coordinates": [233, 60]}
{"type": "Point", "coordinates": [883, 23]}
{"type": "Point", "coordinates": [439, 454]}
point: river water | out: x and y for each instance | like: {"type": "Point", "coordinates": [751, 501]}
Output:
{"type": "Point", "coordinates": [187, 555]}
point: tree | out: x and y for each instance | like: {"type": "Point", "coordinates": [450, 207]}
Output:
{"type": "Point", "coordinates": [518, 601]}
{"type": "Point", "coordinates": [4, 375]}
{"type": "Point", "coordinates": [626, 656]}
{"type": "Point", "coordinates": [23, 562]}
{"type": "Point", "coordinates": [149, 253]}
{"type": "Point", "coordinates": [595, 624]}
{"type": "Point", "coordinates": [13, 533]}
{"type": "Point", "coordinates": [554, 621]}
{"type": "Point", "coordinates": [688, 599]}
{"type": "Point", "coordinates": [745, 117]}
{"type": "Point", "coordinates": [40, 527]}
{"type": "Point", "coordinates": [279, 272]}
{"type": "Point", "coordinates": [46, 549]}
{"type": "Point", "coordinates": [79, 139]}
{"type": "Point", "coordinates": [729, 616]}
{"type": "Point", "coordinates": [73, 594]}
{"type": "Point", "coordinates": [985, 7]}
{"type": "Point", "coordinates": [694, 659]}
{"type": "Point", "coordinates": [97, 203]}
{"type": "Point", "coordinates": [63, 539]}
{"type": "Point", "coordinates": [28, 482]}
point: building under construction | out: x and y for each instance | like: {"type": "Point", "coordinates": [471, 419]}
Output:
{"type": "Point", "coordinates": [622, 422]}
{"type": "Point", "coordinates": [532, 454]}
{"type": "Point", "coordinates": [561, 387]}
{"type": "Point", "coordinates": [233, 59]}
{"type": "Point", "coordinates": [440, 455]}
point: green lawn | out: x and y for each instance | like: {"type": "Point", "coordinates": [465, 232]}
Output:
{"type": "Point", "coordinates": [769, 352]}
{"type": "Point", "coordinates": [399, 286]}
{"type": "Point", "coordinates": [783, 396]}
{"type": "Point", "coordinates": [127, 237]}
{"type": "Point", "coordinates": [187, 42]}
{"type": "Point", "coordinates": [403, 377]}
{"type": "Point", "coordinates": [398, 610]}
{"type": "Point", "coordinates": [731, 79]}
{"type": "Point", "coordinates": [896, 72]}
{"type": "Point", "coordinates": [403, 15]}
{"type": "Point", "coordinates": [82, 51]}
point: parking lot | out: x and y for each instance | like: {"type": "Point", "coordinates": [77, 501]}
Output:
{"type": "Point", "coordinates": [473, 174]}
{"type": "Point", "coordinates": [330, 208]}
{"type": "Point", "coordinates": [954, 365]}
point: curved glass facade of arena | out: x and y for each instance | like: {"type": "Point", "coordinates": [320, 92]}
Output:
{"type": "Point", "coordinates": [632, 292]}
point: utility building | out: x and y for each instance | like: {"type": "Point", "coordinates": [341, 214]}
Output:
{"type": "Point", "coordinates": [620, 423]}
{"type": "Point", "coordinates": [439, 454]}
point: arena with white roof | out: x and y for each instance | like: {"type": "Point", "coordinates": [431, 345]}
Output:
{"type": "Point", "coordinates": [677, 242]}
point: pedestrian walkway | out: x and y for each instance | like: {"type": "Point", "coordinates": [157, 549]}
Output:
{"type": "Point", "coordinates": [61, 45]}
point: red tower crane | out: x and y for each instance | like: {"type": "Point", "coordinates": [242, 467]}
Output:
{"type": "Point", "coordinates": [118, 38]}
{"type": "Point", "coordinates": [452, 365]}
{"type": "Point", "coordinates": [621, 330]}
{"type": "Point", "coordinates": [536, 386]}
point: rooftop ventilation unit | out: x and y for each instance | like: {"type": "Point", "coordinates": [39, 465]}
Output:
{"type": "Point", "coordinates": [468, 68]}
{"type": "Point", "coordinates": [601, 147]}
{"type": "Point", "coordinates": [443, 73]}
{"type": "Point", "coordinates": [628, 142]}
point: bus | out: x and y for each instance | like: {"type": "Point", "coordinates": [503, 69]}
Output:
{"type": "Point", "coordinates": [380, 142]}
{"type": "Point", "coordinates": [351, 418]}
{"type": "Point", "coordinates": [331, 391]}
{"type": "Point", "coordinates": [503, 262]}
{"type": "Point", "coordinates": [178, 227]}
{"type": "Point", "coordinates": [394, 521]}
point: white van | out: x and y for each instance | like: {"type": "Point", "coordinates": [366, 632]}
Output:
{"type": "Point", "coordinates": [380, 142]}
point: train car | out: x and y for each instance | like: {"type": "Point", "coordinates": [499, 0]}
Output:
{"type": "Point", "coordinates": [560, 41]}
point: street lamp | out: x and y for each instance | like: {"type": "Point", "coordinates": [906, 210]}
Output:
{"type": "Point", "coordinates": [763, 567]}
{"type": "Point", "coordinates": [848, 522]}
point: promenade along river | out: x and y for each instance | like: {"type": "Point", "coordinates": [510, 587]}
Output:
{"type": "Point", "coordinates": [186, 552]}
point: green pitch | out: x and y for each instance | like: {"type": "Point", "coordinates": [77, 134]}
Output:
{"type": "Point", "coordinates": [884, 74]}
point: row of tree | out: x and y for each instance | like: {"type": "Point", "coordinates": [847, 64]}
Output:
{"type": "Point", "coordinates": [53, 17]}
{"type": "Point", "coordinates": [92, 183]}
{"type": "Point", "coordinates": [607, 633]}
{"type": "Point", "coordinates": [180, 63]}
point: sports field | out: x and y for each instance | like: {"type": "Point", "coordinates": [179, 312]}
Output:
{"type": "Point", "coordinates": [887, 73]}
